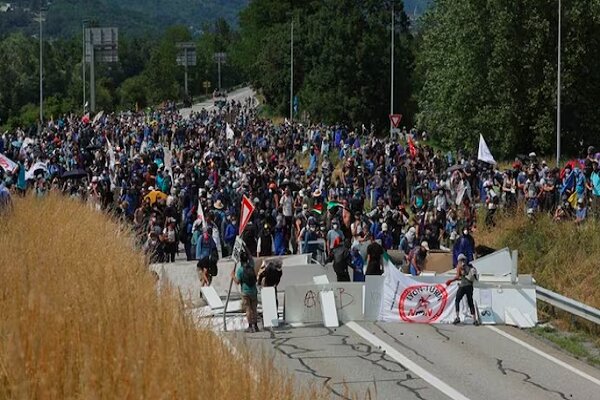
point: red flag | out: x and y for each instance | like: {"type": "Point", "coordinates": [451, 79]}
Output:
{"type": "Point", "coordinates": [411, 148]}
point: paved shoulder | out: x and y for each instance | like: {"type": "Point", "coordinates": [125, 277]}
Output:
{"type": "Point", "coordinates": [343, 362]}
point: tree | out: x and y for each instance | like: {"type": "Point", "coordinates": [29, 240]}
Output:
{"type": "Point", "coordinates": [490, 68]}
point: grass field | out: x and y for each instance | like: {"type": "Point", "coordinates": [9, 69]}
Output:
{"type": "Point", "coordinates": [80, 317]}
{"type": "Point", "coordinates": [561, 256]}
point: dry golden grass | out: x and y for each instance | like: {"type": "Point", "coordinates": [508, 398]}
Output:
{"type": "Point", "coordinates": [80, 317]}
{"type": "Point", "coordinates": [561, 256]}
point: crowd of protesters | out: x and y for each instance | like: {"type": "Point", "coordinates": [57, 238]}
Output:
{"type": "Point", "coordinates": [179, 182]}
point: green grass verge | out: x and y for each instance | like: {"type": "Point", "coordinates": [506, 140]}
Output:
{"type": "Point", "coordinates": [577, 344]}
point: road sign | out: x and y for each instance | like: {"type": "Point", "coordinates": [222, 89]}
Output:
{"type": "Point", "coordinates": [206, 84]}
{"type": "Point", "coordinates": [105, 42]}
{"type": "Point", "coordinates": [395, 119]}
{"type": "Point", "coordinates": [186, 54]}
{"type": "Point", "coordinates": [247, 210]}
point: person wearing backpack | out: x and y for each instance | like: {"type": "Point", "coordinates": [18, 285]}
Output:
{"type": "Point", "coordinates": [466, 274]}
{"type": "Point", "coordinates": [245, 276]}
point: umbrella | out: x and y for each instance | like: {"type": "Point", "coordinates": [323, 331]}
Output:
{"type": "Point", "coordinates": [456, 167]}
{"type": "Point", "coordinates": [294, 187]}
{"type": "Point", "coordinates": [155, 195]}
{"type": "Point", "coordinates": [93, 147]}
{"type": "Point", "coordinates": [74, 174]}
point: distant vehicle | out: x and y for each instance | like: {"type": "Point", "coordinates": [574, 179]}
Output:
{"type": "Point", "coordinates": [220, 98]}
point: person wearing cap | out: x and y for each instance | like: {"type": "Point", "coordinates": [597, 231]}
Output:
{"type": "Point", "coordinates": [416, 259]}
{"type": "Point", "coordinates": [386, 239]}
{"type": "Point", "coordinates": [466, 274]}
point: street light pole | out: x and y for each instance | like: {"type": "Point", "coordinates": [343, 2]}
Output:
{"type": "Point", "coordinates": [41, 18]}
{"type": "Point", "coordinates": [392, 74]}
{"type": "Point", "coordinates": [83, 23]}
{"type": "Point", "coordinates": [292, 72]}
{"type": "Point", "coordinates": [558, 86]}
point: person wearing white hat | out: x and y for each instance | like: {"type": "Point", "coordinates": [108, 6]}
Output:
{"type": "Point", "coordinates": [466, 274]}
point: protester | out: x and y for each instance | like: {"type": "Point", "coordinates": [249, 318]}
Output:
{"type": "Point", "coordinates": [341, 260]}
{"type": "Point", "coordinates": [245, 276]}
{"type": "Point", "coordinates": [166, 174]}
{"type": "Point", "coordinates": [466, 274]}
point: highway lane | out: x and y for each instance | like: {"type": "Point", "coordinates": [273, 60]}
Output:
{"type": "Point", "coordinates": [460, 362]}
{"type": "Point", "coordinates": [237, 95]}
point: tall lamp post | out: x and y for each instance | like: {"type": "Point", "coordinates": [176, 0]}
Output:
{"type": "Point", "coordinates": [83, 62]}
{"type": "Point", "coordinates": [292, 72]}
{"type": "Point", "coordinates": [392, 72]}
{"type": "Point", "coordinates": [558, 86]}
{"type": "Point", "coordinates": [40, 18]}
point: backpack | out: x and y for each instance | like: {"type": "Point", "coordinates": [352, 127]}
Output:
{"type": "Point", "coordinates": [470, 272]}
{"type": "Point", "coordinates": [249, 275]}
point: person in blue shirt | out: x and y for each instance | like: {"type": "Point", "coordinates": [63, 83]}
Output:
{"type": "Point", "coordinates": [205, 250]}
{"type": "Point", "coordinates": [231, 232]}
{"type": "Point", "coordinates": [387, 241]}
{"type": "Point", "coordinates": [358, 265]}
{"type": "Point", "coordinates": [464, 245]}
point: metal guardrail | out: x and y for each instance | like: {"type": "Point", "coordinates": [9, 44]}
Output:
{"type": "Point", "coordinates": [569, 305]}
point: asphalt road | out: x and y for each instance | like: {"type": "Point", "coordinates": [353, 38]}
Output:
{"type": "Point", "coordinates": [237, 95]}
{"type": "Point", "coordinates": [461, 362]}
{"type": "Point", "coordinates": [409, 361]}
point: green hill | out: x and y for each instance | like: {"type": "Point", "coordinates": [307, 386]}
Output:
{"type": "Point", "coordinates": [132, 17]}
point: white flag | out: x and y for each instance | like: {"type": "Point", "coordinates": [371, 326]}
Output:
{"type": "Point", "coordinates": [484, 153]}
{"type": "Point", "coordinates": [201, 218]}
{"type": "Point", "coordinates": [230, 133]}
{"type": "Point", "coordinates": [111, 164]}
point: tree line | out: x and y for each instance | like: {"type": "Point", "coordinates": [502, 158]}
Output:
{"type": "Point", "coordinates": [146, 74]}
{"type": "Point", "coordinates": [466, 67]}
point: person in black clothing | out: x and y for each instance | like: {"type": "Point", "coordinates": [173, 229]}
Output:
{"type": "Point", "coordinates": [374, 258]}
{"type": "Point", "coordinates": [341, 260]}
{"type": "Point", "coordinates": [265, 242]}
{"type": "Point", "coordinates": [269, 275]}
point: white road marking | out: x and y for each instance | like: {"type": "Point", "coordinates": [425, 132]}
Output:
{"type": "Point", "coordinates": [399, 357]}
{"type": "Point", "coordinates": [546, 356]}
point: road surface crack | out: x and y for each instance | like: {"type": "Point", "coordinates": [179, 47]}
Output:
{"type": "Point", "coordinates": [527, 378]}
{"type": "Point", "coordinates": [439, 332]}
{"type": "Point", "coordinates": [402, 344]}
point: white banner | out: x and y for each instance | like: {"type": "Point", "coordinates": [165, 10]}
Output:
{"type": "Point", "coordinates": [407, 300]}
{"type": "Point", "coordinates": [38, 166]}
{"type": "Point", "coordinates": [7, 164]}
